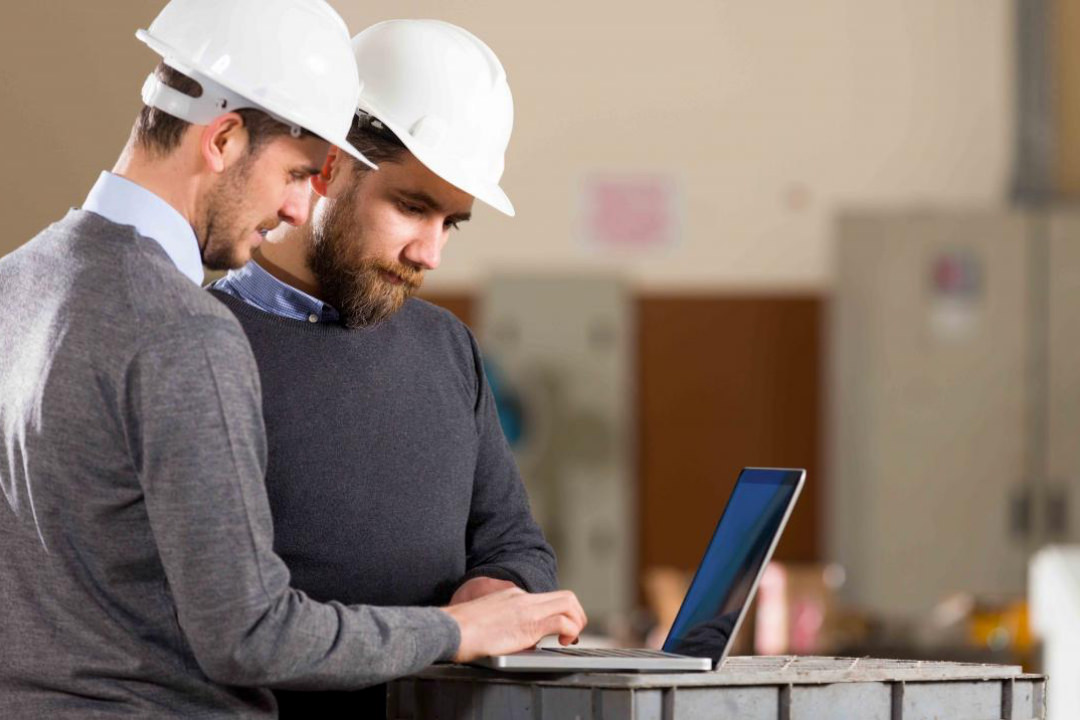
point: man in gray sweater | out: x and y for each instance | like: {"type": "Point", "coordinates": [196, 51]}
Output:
{"type": "Point", "coordinates": [137, 571]}
{"type": "Point", "coordinates": [401, 489]}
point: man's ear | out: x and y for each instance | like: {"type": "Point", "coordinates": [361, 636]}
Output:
{"type": "Point", "coordinates": [223, 142]}
{"type": "Point", "coordinates": [334, 166]}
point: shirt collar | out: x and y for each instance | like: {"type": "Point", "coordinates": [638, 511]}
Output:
{"type": "Point", "coordinates": [255, 286]}
{"type": "Point", "coordinates": [123, 202]}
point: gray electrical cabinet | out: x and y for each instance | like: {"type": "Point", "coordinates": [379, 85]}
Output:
{"type": "Point", "coordinates": [559, 349]}
{"type": "Point", "coordinates": [954, 401]}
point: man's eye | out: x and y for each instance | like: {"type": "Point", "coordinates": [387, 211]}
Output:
{"type": "Point", "coordinates": [451, 225]}
{"type": "Point", "coordinates": [298, 175]}
{"type": "Point", "coordinates": [410, 209]}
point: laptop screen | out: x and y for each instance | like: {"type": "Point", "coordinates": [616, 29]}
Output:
{"type": "Point", "coordinates": [732, 562]}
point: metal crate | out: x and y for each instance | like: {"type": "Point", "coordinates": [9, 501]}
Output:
{"type": "Point", "coordinates": [745, 688]}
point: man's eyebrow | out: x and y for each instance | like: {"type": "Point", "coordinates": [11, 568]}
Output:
{"type": "Point", "coordinates": [422, 198]}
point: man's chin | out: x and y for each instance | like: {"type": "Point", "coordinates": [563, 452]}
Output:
{"type": "Point", "coordinates": [365, 315]}
{"type": "Point", "coordinates": [237, 256]}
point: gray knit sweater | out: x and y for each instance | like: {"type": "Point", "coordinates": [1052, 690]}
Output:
{"type": "Point", "coordinates": [137, 573]}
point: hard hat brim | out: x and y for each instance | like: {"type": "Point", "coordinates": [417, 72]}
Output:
{"type": "Point", "coordinates": [356, 154]}
{"type": "Point", "coordinates": [496, 198]}
{"type": "Point", "coordinates": [486, 193]}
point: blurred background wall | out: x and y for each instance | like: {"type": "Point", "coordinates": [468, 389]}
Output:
{"type": "Point", "coordinates": [765, 116]}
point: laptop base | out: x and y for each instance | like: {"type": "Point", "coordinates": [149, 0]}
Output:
{"type": "Point", "coordinates": [569, 660]}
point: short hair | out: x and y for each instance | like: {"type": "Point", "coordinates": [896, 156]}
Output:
{"type": "Point", "coordinates": [375, 141]}
{"type": "Point", "coordinates": [160, 133]}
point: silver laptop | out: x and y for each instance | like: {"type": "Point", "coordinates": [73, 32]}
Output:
{"type": "Point", "coordinates": [718, 598]}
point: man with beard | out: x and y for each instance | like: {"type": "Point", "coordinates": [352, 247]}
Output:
{"type": "Point", "coordinates": [136, 566]}
{"type": "Point", "coordinates": [389, 478]}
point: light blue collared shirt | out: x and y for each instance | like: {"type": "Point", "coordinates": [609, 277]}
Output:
{"type": "Point", "coordinates": [123, 202]}
{"type": "Point", "coordinates": [258, 288]}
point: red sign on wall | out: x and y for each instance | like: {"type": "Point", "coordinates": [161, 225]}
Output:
{"type": "Point", "coordinates": [635, 212]}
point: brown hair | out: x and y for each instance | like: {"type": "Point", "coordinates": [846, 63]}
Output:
{"type": "Point", "coordinates": [160, 133]}
{"type": "Point", "coordinates": [375, 141]}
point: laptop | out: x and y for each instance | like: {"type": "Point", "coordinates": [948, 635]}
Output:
{"type": "Point", "coordinates": [717, 600]}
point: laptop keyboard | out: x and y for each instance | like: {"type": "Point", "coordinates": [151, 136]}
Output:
{"type": "Point", "coordinates": [608, 652]}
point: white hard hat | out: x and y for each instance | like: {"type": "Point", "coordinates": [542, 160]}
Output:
{"type": "Point", "coordinates": [288, 58]}
{"type": "Point", "coordinates": [444, 94]}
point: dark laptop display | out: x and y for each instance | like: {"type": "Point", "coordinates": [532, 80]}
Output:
{"type": "Point", "coordinates": [732, 563]}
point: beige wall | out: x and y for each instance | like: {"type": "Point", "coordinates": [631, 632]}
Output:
{"type": "Point", "coordinates": [769, 114]}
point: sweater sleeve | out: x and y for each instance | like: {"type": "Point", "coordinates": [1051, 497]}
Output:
{"type": "Point", "coordinates": [196, 435]}
{"type": "Point", "coordinates": [502, 539]}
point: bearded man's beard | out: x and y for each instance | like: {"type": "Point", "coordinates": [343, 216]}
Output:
{"type": "Point", "coordinates": [350, 283]}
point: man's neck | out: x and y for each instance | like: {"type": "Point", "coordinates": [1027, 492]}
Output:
{"type": "Point", "coordinates": [286, 260]}
{"type": "Point", "coordinates": [167, 178]}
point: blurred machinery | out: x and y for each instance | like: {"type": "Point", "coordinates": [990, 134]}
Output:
{"type": "Point", "coordinates": [954, 403]}
{"type": "Point", "coordinates": [796, 610]}
{"type": "Point", "coordinates": [559, 353]}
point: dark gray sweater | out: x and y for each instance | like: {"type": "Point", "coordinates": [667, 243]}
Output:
{"type": "Point", "coordinates": [389, 478]}
{"type": "Point", "coordinates": [137, 573]}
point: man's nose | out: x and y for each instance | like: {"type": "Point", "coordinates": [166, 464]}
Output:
{"type": "Point", "coordinates": [297, 205]}
{"type": "Point", "coordinates": [426, 249]}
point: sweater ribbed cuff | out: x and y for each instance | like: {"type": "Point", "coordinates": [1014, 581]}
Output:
{"type": "Point", "coordinates": [452, 635]}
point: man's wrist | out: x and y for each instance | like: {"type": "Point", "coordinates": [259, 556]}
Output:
{"type": "Point", "coordinates": [494, 572]}
{"type": "Point", "coordinates": [478, 587]}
